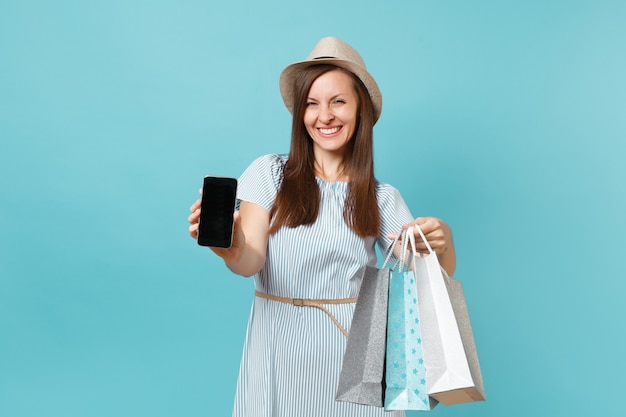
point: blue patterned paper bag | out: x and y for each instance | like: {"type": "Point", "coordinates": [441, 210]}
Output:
{"type": "Point", "coordinates": [405, 373]}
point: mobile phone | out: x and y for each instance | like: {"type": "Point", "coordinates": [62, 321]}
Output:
{"type": "Point", "coordinates": [215, 227]}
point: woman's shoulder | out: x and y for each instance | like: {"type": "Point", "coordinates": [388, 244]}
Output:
{"type": "Point", "coordinates": [384, 190]}
{"type": "Point", "coordinates": [393, 209]}
{"type": "Point", "coordinates": [387, 195]}
{"type": "Point", "coordinates": [265, 168]}
{"type": "Point", "coordinates": [259, 183]}
{"type": "Point", "coordinates": [271, 160]}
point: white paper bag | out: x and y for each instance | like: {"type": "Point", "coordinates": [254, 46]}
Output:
{"type": "Point", "coordinates": [452, 369]}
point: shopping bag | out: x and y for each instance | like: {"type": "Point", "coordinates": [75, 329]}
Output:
{"type": "Point", "coordinates": [361, 379]}
{"type": "Point", "coordinates": [453, 371]}
{"type": "Point", "coordinates": [405, 370]}
{"type": "Point", "coordinates": [362, 371]}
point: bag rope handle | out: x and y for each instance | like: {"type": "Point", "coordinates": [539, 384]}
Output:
{"type": "Point", "coordinates": [419, 229]}
{"type": "Point", "coordinates": [390, 250]}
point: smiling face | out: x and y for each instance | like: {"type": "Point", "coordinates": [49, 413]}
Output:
{"type": "Point", "coordinates": [331, 113]}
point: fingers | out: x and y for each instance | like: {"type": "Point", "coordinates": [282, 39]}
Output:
{"type": "Point", "coordinates": [435, 231]}
{"type": "Point", "coordinates": [195, 206]}
{"type": "Point", "coordinates": [427, 224]}
{"type": "Point", "coordinates": [194, 218]}
{"type": "Point", "coordinates": [437, 245]}
{"type": "Point", "coordinates": [193, 231]}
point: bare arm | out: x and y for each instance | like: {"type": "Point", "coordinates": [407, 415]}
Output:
{"type": "Point", "coordinates": [248, 251]}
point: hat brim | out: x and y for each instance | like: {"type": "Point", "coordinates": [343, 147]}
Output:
{"type": "Point", "coordinates": [288, 77]}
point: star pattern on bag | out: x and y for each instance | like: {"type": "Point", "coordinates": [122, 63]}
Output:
{"type": "Point", "coordinates": [405, 372]}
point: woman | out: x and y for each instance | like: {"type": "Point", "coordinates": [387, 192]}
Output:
{"type": "Point", "coordinates": [307, 223]}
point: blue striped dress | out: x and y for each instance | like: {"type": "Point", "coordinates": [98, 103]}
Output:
{"type": "Point", "coordinates": [292, 355]}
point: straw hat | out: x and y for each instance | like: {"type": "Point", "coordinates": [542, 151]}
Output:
{"type": "Point", "coordinates": [333, 51]}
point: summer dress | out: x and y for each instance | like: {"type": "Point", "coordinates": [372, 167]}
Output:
{"type": "Point", "coordinates": [292, 355]}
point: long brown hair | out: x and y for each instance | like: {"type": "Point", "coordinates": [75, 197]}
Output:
{"type": "Point", "coordinates": [298, 200]}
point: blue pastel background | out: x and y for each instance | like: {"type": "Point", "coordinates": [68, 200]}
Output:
{"type": "Point", "coordinates": [506, 118]}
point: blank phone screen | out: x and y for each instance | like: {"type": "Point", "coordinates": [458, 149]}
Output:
{"type": "Point", "coordinates": [216, 215]}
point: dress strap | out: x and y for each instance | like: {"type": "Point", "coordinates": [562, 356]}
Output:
{"type": "Point", "coordinates": [318, 303]}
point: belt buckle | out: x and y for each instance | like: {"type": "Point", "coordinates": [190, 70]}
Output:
{"type": "Point", "coordinates": [298, 302]}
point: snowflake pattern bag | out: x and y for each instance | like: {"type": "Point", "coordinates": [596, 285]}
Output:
{"type": "Point", "coordinates": [405, 372]}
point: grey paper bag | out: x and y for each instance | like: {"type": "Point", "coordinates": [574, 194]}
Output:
{"type": "Point", "coordinates": [362, 372]}
{"type": "Point", "coordinates": [452, 369]}
{"type": "Point", "coordinates": [459, 306]}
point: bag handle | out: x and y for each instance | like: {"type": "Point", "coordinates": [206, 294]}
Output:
{"type": "Point", "coordinates": [404, 257]}
{"type": "Point", "coordinates": [403, 260]}
{"type": "Point", "coordinates": [446, 277]}
{"type": "Point", "coordinates": [412, 241]}
{"type": "Point", "coordinates": [411, 238]}
{"type": "Point", "coordinates": [404, 244]}
{"type": "Point", "coordinates": [390, 251]}
{"type": "Point", "coordinates": [419, 229]}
